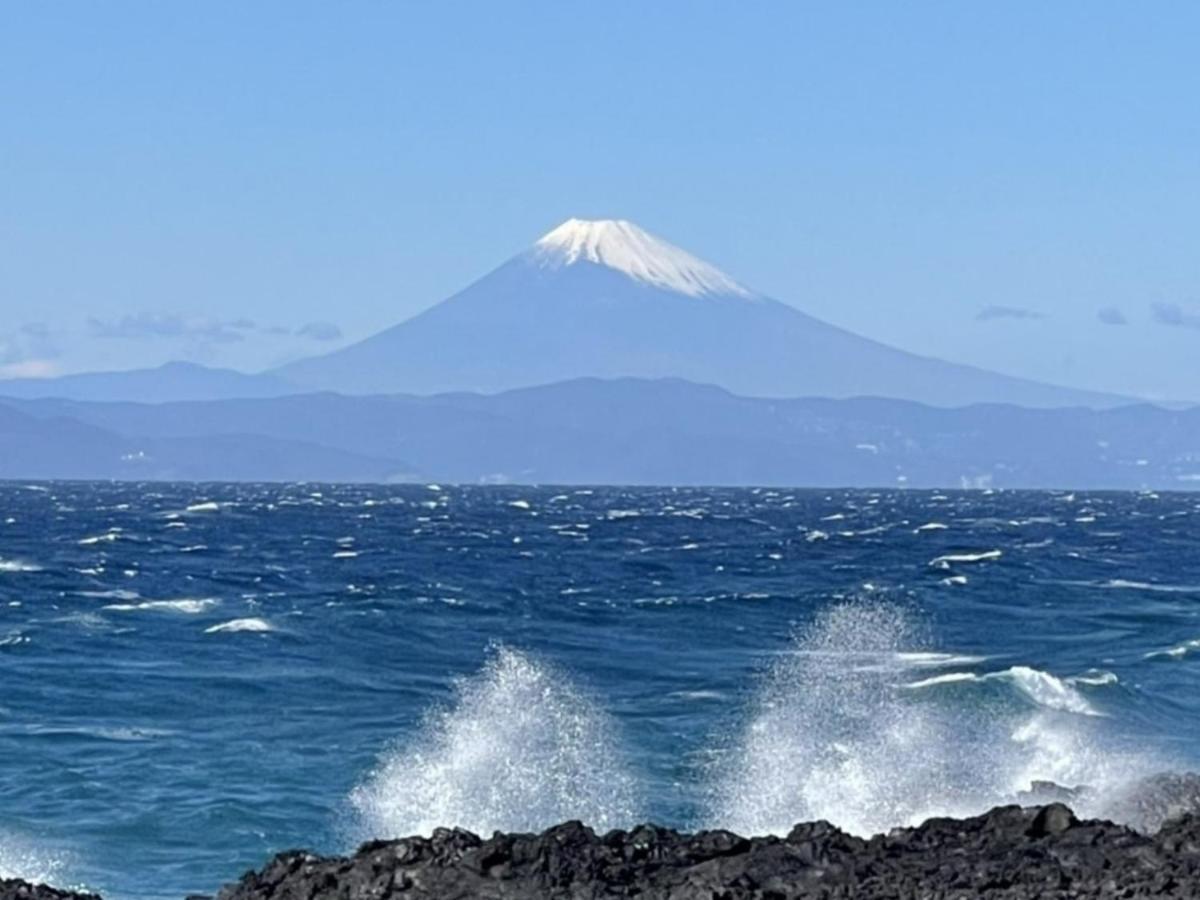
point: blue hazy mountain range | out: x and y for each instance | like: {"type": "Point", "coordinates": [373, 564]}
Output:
{"type": "Point", "coordinates": [594, 431]}
{"type": "Point", "coordinates": [595, 299]}
{"type": "Point", "coordinates": [171, 381]}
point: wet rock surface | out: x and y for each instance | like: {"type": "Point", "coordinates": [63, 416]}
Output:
{"type": "Point", "coordinates": [1145, 804]}
{"type": "Point", "coordinates": [15, 889]}
{"type": "Point", "coordinates": [1011, 852]}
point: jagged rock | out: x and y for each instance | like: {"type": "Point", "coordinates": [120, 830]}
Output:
{"type": "Point", "coordinates": [1151, 802]}
{"type": "Point", "coordinates": [1145, 804]}
{"type": "Point", "coordinates": [1011, 853]}
{"type": "Point", "coordinates": [16, 889]}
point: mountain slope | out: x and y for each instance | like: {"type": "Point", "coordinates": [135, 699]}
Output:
{"type": "Point", "coordinates": [606, 299]}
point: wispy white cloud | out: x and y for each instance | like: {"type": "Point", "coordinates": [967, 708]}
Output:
{"type": "Point", "coordinates": [143, 326]}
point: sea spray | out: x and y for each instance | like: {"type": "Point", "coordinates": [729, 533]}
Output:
{"type": "Point", "coordinates": [521, 749]}
{"type": "Point", "coordinates": [841, 730]}
{"type": "Point", "coordinates": [19, 858]}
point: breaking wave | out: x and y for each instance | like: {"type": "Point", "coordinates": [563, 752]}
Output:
{"type": "Point", "coordinates": [521, 749]}
{"type": "Point", "coordinates": [841, 730]}
{"type": "Point", "coordinates": [21, 859]}
{"type": "Point", "coordinates": [860, 724]}
{"type": "Point", "coordinates": [1040, 687]}
{"type": "Point", "coordinates": [187, 606]}
{"type": "Point", "coordinates": [254, 624]}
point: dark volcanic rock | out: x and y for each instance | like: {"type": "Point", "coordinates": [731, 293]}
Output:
{"type": "Point", "coordinates": [15, 889]}
{"type": "Point", "coordinates": [1145, 804]}
{"type": "Point", "coordinates": [1011, 852]}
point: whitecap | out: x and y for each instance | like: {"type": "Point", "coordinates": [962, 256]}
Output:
{"type": "Point", "coordinates": [187, 605]}
{"type": "Point", "coordinates": [203, 507]}
{"type": "Point", "coordinates": [237, 625]}
{"type": "Point", "coordinates": [1095, 678]}
{"type": "Point", "coordinates": [1041, 687]}
{"type": "Point", "coordinates": [1123, 584]}
{"type": "Point", "coordinates": [17, 565]}
{"type": "Point", "coordinates": [113, 594]}
{"type": "Point", "coordinates": [1179, 651]}
{"type": "Point", "coordinates": [930, 526]}
{"type": "Point", "coordinates": [106, 537]}
{"type": "Point", "coordinates": [944, 562]}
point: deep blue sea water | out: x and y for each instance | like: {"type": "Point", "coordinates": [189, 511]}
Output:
{"type": "Point", "coordinates": [193, 677]}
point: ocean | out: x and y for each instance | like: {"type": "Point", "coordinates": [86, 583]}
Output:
{"type": "Point", "coordinates": [196, 676]}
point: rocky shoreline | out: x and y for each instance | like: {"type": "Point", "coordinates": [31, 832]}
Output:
{"type": "Point", "coordinates": [1011, 852]}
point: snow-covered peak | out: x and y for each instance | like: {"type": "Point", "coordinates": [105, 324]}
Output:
{"type": "Point", "coordinates": [623, 246]}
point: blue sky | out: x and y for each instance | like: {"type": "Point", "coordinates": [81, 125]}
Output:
{"type": "Point", "coordinates": [1012, 185]}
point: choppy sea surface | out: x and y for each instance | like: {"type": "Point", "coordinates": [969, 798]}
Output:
{"type": "Point", "coordinates": [193, 677]}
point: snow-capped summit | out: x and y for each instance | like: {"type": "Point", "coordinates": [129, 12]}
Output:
{"type": "Point", "coordinates": [623, 246]}
{"type": "Point", "coordinates": [604, 299]}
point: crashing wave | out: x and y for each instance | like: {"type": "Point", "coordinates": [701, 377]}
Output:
{"type": "Point", "coordinates": [521, 748]}
{"type": "Point", "coordinates": [828, 737]}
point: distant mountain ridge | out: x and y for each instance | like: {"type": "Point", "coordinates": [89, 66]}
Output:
{"type": "Point", "coordinates": [607, 299]}
{"type": "Point", "coordinates": [172, 381]}
{"type": "Point", "coordinates": [593, 431]}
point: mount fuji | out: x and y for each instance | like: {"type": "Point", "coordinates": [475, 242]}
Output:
{"type": "Point", "coordinates": [607, 299]}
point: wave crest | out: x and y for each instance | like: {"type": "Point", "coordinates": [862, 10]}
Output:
{"type": "Point", "coordinates": [521, 749]}
{"type": "Point", "coordinates": [828, 737]}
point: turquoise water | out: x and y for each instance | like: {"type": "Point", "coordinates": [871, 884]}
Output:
{"type": "Point", "coordinates": [196, 676]}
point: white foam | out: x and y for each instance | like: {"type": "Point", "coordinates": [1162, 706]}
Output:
{"type": "Point", "coordinates": [1123, 584]}
{"type": "Point", "coordinates": [625, 247]}
{"type": "Point", "coordinates": [521, 749]}
{"type": "Point", "coordinates": [931, 526]}
{"type": "Point", "coordinates": [107, 537]}
{"type": "Point", "coordinates": [944, 562]}
{"type": "Point", "coordinates": [235, 625]}
{"type": "Point", "coordinates": [187, 605]}
{"type": "Point", "coordinates": [114, 594]}
{"type": "Point", "coordinates": [17, 565]}
{"type": "Point", "coordinates": [831, 738]}
{"type": "Point", "coordinates": [206, 506]}
{"type": "Point", "coordinates": [1179, 651]}
{"type": "Point", "coordinates": [19, 858]}
{"type": "Point", "coordinates": [1041, 687]}
{"type": "Point", "coordinates": [1095, 679]}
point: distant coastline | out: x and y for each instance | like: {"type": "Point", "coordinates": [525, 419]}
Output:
{"type": "Point", "coordinates": [593, 431]}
